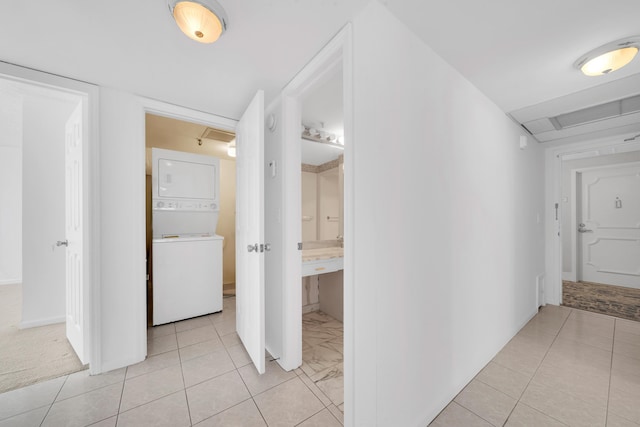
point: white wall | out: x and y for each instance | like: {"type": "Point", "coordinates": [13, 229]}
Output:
{"type": "Point", "coordinates": [122, 217]}
{"type": "Point", "coordinates": [568, 195]}
{"type": "Point", "coordinates": [328, 205]}
{"type": "Point", "coordinates": [451, 277]}
{"type": "Point", "coordinates": [43, 204]}
{"type": "Point", "coordinates": [10, 187]}
{"type": "Point", "coordinates": [309, 185]}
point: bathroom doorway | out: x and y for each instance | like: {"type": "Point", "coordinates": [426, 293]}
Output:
{"type": "Point", "coordinates": [322, 229]}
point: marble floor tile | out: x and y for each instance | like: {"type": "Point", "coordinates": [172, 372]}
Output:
{"type": "Point", "coordinates": [81, 382]}
{"type": "Point", "coordinates": [239, 355]}
{"type": "Point", "coordinates": [206, 367]}
{"type": "Point", "coordinates": [323, 418]}
{"type": "Point", "coordinates": [272, 376]}
{"type": "Point", "coordinates": [288, 404]}
{"type": "Point", "coordinates": [614, 420]}
{"type": "Point", "coordinates": [145, 388]}
{"type": "Point", "coordinates": [86, 408]}
{"type": "Point", "coordinates": [227, 314]}
{"type": "Point", "coordinates": [196, 335]}
{"type": "Point", "coordinates": [193, 323]}
{"type": "Point", "coordinates": [455, 415]}
{"type": "Point", "coordinates": [216, 395]}
{"type": "Point", "coordinates": [200, 349]}
{"type": "Point", "coordinates": [153, 363]}
{"type": "Point", "coordinates": [331, 383]}
{"type": "Point", "coordinates": [339, 414]}
{"type": "Point", "coordinates": [486, 402]}
{"type": "Point", "coordinates": [624, 404]}
{"type": "Point", "coordinates": [169, 411]}
{"type": "Point", "coordinates": [230, 340]}
{"type": "Point", "coordinates": [31, 397]}
{"type": "Point", "coordinates": [161, 344]}
{"type": "Point", "coordinates": [503, 379]}
{"type": "Point", "coordinates": [244, 414]}
{"type": "Point", "coordinates": [626, 348]}
{"type": "Point", "coordinates": [32, 418]}
{"type": "Point", "coordinates": [320, 357]}
{"type": "Point", "coordinates": [315, 390]}
{"type": "Point", "coordinates": [525, 416]}
{"type": "Point", "coordinates": [161, 330]}
{"type": "Point", "coordinates": [226, 327]}
{"type": "Point", "coordinates": [589, 386]}
{"type": "Point", "coordinates": [563, 407]}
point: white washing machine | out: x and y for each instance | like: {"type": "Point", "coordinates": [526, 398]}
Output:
{"type": "Point", "coordinates": [187, 277]}
{"type": "Point", "coordinates": [186, 252]}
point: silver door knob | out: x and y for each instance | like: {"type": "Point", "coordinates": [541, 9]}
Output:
{"type": "Point", "coordinates": [252, 248]}
{"type": "Point", "coordinates": [581, 228]}
{"type": "Point", "coordinates": [62, 243]}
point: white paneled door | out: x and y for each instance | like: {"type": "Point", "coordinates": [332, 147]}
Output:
{"type": "Point", "coordinates": [250, 310]}
{"type": "Point", "coordinates": [76, 328]}
{"type": "Point", "coordinates": [609, 226]}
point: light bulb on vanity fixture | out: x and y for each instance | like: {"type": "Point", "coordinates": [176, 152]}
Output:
{"type": "Point", "coordinates": [609, 57]}
{"type": "Point", "coordinates": [231, 148]}
{"type": "Point", "coordinates": [201, 20]}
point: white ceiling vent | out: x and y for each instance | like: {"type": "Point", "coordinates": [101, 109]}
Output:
{"type": "Point", "coordinates": [596, 113]}
{"type": "Point", "coordinates": [217, 135]}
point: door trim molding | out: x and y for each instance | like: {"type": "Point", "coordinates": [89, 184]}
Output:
{"type": "Point", "coordinates": [553, 194]}
{"type": "Point", "coordinates": [89, 93]}
{"type": "Point", "coordinates": [337, 51]}
{"type": "Point", "coordinates": [165, 109]}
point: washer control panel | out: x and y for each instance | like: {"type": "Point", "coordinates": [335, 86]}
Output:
{"type": "Point", "coordinates": [185, 205]}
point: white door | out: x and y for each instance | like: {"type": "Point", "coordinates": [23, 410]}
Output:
{"type": "Point", "coordinates": [609, 226]}
{"type": "Point", "coordinates": [250, 231]}
{"type": "Point", "coordinates": [76, 327]}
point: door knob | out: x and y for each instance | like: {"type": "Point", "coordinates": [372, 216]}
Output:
{"type": "Point", "coordinates": [62, 243]}
{"type": "Point", "coordinates": [581, 228]}
{"type": "Point", "coordinates": [252, 248]}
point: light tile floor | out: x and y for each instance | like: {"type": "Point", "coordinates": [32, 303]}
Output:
{"type": "Point", "coordinates": [197, 373]}
{"type": "Point", "coordinates": [566, 367]}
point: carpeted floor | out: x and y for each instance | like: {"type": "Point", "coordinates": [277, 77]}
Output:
{"type": "Point", "coordinates": [615, 301]}
{"type": "Point", "coordinates": [31, 355]}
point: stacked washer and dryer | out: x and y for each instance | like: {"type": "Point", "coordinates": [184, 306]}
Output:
{"type": "Point", "coordinates": [186, 252]}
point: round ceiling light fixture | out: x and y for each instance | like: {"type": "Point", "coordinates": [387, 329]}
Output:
{"type": "Point", "coordinates": [201, 20]}
{"type": "Point", "coordinates": [609, 57]}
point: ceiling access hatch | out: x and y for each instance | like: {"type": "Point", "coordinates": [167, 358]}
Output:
{"type": "Point", "coordinates": [596, 113]}
{"type": "Point", "coordinates": [217, 135]}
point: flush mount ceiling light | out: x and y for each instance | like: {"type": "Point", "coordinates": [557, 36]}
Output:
{"type": "Point", "coordinates": [201, 20]}
{"type": "Point", "coordinates": [609, 57]}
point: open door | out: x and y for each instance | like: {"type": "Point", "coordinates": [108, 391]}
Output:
{"type": "Point", "coordinates": [76, 328]}
{"type": "Point", "coordinates": [250, 231]}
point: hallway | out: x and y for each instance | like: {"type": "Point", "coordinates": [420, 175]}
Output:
{"type": "Point", "coordinates": [566, 367]}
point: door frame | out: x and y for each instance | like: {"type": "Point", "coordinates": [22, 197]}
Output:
{"type": "Point", "coordinates": [553, 195]}
{"type": "Point", "coordinates": [337, 51]}
{"type": "Point", "coordinates": [164, 109]}
{"type": "Point", "coordinates": [573, 276]}
{"type": "Point", "coordinates": [89, 95]}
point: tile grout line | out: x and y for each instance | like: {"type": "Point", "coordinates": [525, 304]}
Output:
{"type": "Point", "coordinates": [538, 367]}
{"type": "Point", "coordinates": [613, 343]}
{"type": "Point", "coordinates": [184, 383]}
{"type": "Point", "coordinates": [121, 395]}
{"type": "Point", "coordinates": [51, 405]}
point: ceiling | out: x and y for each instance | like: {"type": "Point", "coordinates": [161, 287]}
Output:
{"type": "Point", "coordinates": [518, 53]}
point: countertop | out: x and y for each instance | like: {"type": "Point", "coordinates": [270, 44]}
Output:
{"type": "Point", "coordinates": [322, 253]}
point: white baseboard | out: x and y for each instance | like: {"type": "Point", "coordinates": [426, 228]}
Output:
{"type": "Point", "coordinates": [10, 281]}
{"type": "Point", "coordinates": [42, 322]}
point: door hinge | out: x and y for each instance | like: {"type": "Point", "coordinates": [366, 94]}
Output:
{"type": "Point", "coordinates": [299, 246]}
